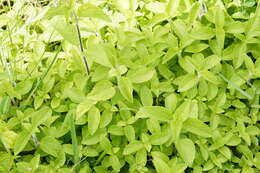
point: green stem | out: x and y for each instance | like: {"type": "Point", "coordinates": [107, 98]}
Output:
{"type": "Point", "coordinates": [74, 141]}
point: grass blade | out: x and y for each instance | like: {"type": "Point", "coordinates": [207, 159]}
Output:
{"type": "Point", "coordinates": [80, 43]}
{"type": "Point", "coordinates": [44, 74]}
{"type": "Point", "coordinates": [233, 85]}
{"type": "Point", "coordinates": [74, 141]}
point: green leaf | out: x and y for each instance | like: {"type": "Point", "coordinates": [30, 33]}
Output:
{"type": "Point", "coordinates": [116, 165]}
{"type": "Point", "coordinates": [159, 139]}
{"type": "Point", "coordinates": [21, 141]}
{"type": "Point", "coordinates": [140, 75]}
{"type": "Point", "coordinates": [92, 11]}
{"type": "Point", "coordinates": [160, 165]}
{"type": "Point", "coordinates": [219, 18]}
{"type": "Point", "coordinates": [115, 130]}
{"type": "Point", "coordinates": [194, 12]}
{"type": "Point", "coordinates": [24, 87]}
{"type": "Point", "coordinates": [186, 65]}
{"type": "Point", "coordinates": [106, 118]}
{"type": "Point", "coordinates": [196, 47]}
{"type": "Point", "coordinates": [171, 52]}
{"type": "Point", "coordinates": [171, 8]}
{"type": "Point", "coordinates": [156, 7]}
{"type": "Point", "coordinates": [106, 145]}
{"type": "Point", "coordinates": [126, 88]}
{"type": "Point", "coordinates": [67, 31]}
{"type": "Point", "coordinates": [5, 105]}
{"type": "Point", "coordinates": [211, 61]}
{"type": "Point", "coordinates": [155, 112]}
{"type": "Point", "coordinates": [235, 27]}
{"type": "Point", "coordinates": [171, 101]}
{"type": "Point", "coordinates": [186, 149]}
{"type": "Point", "coordinates": [83, 107]}
{"type": "Point", "coordinates": [197, 127]}
{"type": "Point", "coordinates": [220, 37]}
{"type": "Point", "coordinates": [50, 145]}
{"type": "Point", "coordinates": [103, 90]}
{"type": "Point", "coordinates": [93, 120]}
{"type": "Point", "coordinates": [76, 95]}
{"type": "Point", "coordinates": [40, 116]}
{"type": "Point", "coordinates": [238, 56]}
{"type": "Point", "coordinates": [225, 151]}
{"type": "Point", "coordinates": [133, 147]}
{"type": "Point", "coordinates": [146, 96]}
{"type": "Point", "coordinates": [129, 133]}
{"type": "Point", "coordinates": [202, 33]}
{"type": "Point", "coordinates": [96, 51]}
{"type": "Point", "coordinates": [209, 76]}
{"type": "Point", "coordinates": [186, 82]}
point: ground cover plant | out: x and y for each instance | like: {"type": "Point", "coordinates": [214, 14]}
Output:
{"type": "Point", "coordinates": [139, 86]}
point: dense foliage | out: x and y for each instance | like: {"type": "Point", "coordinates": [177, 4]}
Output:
{"type": "Point", "coordinates": [137, 86]}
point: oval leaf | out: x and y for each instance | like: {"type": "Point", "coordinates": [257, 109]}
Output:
{"type": "Point", "coordinates": [186, 149]}
{"type": "Point", "coordinates": [126, 88]}
{"type": "Point", "coordinates": [155, 112]}
{"type": "Point", "coordinates": [197, 127]}
{"type": "Point", "coordinates": [93, 120]}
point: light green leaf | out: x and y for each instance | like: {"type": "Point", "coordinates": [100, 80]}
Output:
{"type": "Point", "coordinates": [219, 17]}
{"type": "Point", "coordinates": [40, 116]}
{"type": "Point", "coordinates": [83, 107]}
{"type": "Point", "coordinates": [126, 88]}
{"type": "Point", "coordinates": [5, 104]}
{"type": "Point", "coordinates": [93, 120]}
{"type": "Point", "coordinates": [21, 141]}
{"type": "Point", "coordinates": [194, 12]}
{"type": "Point", "coordinates": [211, 61]}
{"type": "Point", "coordinates": [50, 145]}
{"type": "Point", "coordinates": [67, 31]}
{"type": "Point", "coordinates": [186, 65]}
{"type": "Point", "coordinates": [235, 27]}
{"type": "Point", "coordinates": [155, 112]}
{"type": "Point", "coordinates": [146, 96]}
{"type": "Point", "coordinates": [115, 130]}
{"type": "Point", "coordinates": [129, 133]}
{"type": "Point", "coordinates": [171, 8]}
{"type": "Point", "coordinates": [209, 76]}
{"type": "Point", "coordinates": [140, 75]}
{"type": "Point", "coordinates": [186, 149]}
{"type": "Point", "coordinates": [225, 151]}
{"type": "Point", "coordinates": [92, 11]}
{"type": "Point", "coordinates": [133, 147]}
{"type": "Point", "coordinates": [220, 37]}
{"type": "Point", "coordinates": [202, 33]}
{"type": "Point", "coordinates": [171, 52]}
{"type": "Point", "coordinates": [103, 90]}
{"type": "Point", "coordinates": [24, 87]}
{"type": "Point", "coordinates": [96, 51]}
{"type": "Point", "coordinates": [76, 95]}
{"type": "Point", "coordinates": [160, 165]}
{"type": "Point", "coordinates": [197, 127]}
{"type": "Point", "coordinates": [116, 165]}
{"type": "Point", "coordinates": [106, 118]}
{"type": "Point", "coordinates": [171, 101]}
{"type": "Point", "coordinates": [159, 139]}
{"type": "Point", "coordinates": [196, 47]}
{"type": "Point", "coordinates": [156, 7]}
{"type": "Point", "coordinates": [186, 82]}
{"type": "Point", "coordinates": [106, 145]}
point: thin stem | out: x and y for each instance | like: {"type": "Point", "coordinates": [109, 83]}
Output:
{"type": "Point", "coordinates": [80, 43]}
{"type": "Point", "coordinates": [74, 141]}
{"type": "Point", "coordinates": [44, 75]}
{"type": "Point", "coordinates": [233, 85]}
{"type": "Point", "coordinates": [39, 61]}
